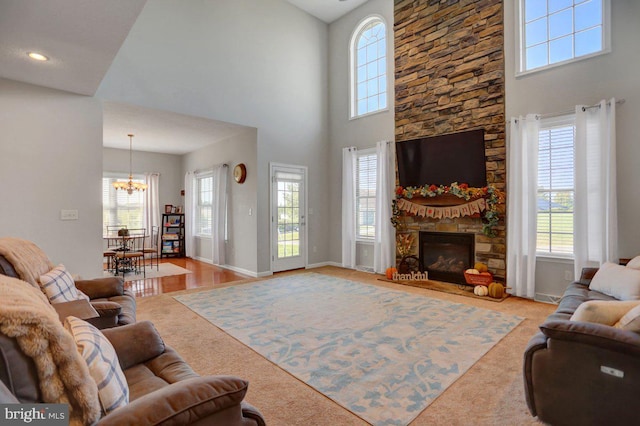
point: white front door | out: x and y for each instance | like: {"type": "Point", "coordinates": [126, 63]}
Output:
{"type": "Point", "coordinates": [288, 217]}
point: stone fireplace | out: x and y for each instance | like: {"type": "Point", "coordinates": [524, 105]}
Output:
{"type": "Point", "coordinates": [446, 255]}
{"type": "Point", "coordinates": [449, 77]}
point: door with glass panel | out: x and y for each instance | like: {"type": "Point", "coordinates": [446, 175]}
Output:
{"type": "Point", "coordinates": [288, 217]}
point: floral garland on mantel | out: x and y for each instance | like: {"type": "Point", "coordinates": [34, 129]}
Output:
{"type": "Point", "coordinates": [492, 196]}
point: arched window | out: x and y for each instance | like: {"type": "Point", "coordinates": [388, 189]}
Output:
{"type": "Point", "coordinates": [369, 67]}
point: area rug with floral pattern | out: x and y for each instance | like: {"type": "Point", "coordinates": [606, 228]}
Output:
{"type": "Point", "coordinates": [383, 354]}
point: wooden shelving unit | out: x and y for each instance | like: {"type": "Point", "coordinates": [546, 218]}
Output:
{"type": "Point", "coordinates": [172, 243]}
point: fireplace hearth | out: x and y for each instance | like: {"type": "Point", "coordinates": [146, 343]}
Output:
{"type": "Point", "coordinates": [446, 255]}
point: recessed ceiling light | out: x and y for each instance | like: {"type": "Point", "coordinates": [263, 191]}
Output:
{"type": "Point", "coordinates": [37, 56]}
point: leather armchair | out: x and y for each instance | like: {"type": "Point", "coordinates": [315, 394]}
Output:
{"type": "Point", "coordinates": [163, 389]}
{"type": "Point", "coordinates": [114, 304]}
{"type": "Point", "coordinates": [582, 373]}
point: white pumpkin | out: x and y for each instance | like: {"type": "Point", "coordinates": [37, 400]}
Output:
{"type": "Point", "coordinates": [481, 290]}
{"type": "Point", "coordinates": [472, 271]}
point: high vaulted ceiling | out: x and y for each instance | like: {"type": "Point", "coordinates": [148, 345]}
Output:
{"type": "Point", "coordinates": [81, 38]}
{"type": "Point", "coordinates": [327, 10]}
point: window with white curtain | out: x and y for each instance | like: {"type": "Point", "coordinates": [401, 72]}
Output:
{"type": "Point", "coordinates": [366, 165]}
{"type": "Point", "coordinates": [556, 187]}
{"type": "Point", "coordinates": [204, 205]}
{"type": "Point", "coordinates": [553, 32]}
{"type": "Point", "coordinates": [369, 67]}
{"type": "Point", "coordinates": [119, 207]}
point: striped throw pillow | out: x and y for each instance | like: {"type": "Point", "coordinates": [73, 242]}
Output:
{"type": "Point", "coordinates": [59, 286]}
{"type": "Point", "coordinates": [97, 351]}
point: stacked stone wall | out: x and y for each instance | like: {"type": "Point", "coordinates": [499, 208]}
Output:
{"type": "Point", "coordinates": [449, 77]}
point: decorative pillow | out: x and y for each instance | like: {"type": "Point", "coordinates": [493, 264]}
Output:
{"type": "Point", "coordinates": [630, 321]}
{"type": "Point", "coordinates": [81, 295]}
{"type": "Point", "coordinates": [59, 286]}
{"type": "Point", "coordinates": [606, 312]}
{"type": "Point", "coordinates": [102, 361]}
{"type": "Point", "coordinates": [617, 281]}
{"type": "Point", "coordinates": [634, 263]}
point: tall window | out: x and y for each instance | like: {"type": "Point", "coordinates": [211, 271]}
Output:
{"type": "Point", "coordinates": [369, 67]}
{"type": "Point", "coordinates": [366, 165]}
{"type": "Point", "coordinates": [556, 187]}
{"type": "Point", "coordinates": [204, 207]}
{"type": "Point", "coordinates": [557, 31]}
{"type": "Point", "coordinates": [118, 207]}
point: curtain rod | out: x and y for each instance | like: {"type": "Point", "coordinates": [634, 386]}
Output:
{"type": "Point", "coordinates": [584, 108]}
{"type": "Point", "coordinates": [198, 171]}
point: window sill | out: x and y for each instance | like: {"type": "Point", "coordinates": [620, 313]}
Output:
{"type": "Point", "coordinates": [203, 237]}
{"type": "Point", "coordinates": [554, 258]}
{"type": "Point", "coordinates": [369, 114]}
{"type": "Point", "coordinates": [363, 241]}
{"type": "Point", "coordinates": [525, 73]}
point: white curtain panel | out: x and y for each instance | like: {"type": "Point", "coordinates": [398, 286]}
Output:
{"type": "Point", "coordinates": [151, 206]}
{"type": "Point", "coordinates": [522, 178]}
{"type": "Point", "coordinates": [384, 248]}
{"type": "Point", "coordinates": [189, 214]}
{"type": "Point", "coordinates": [219, 217]}
{"type": "Point", "coordinates": [349, 207]}
{"type": "Point", "coordinates": [595, 217]}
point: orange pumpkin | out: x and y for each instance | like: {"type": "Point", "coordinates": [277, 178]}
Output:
{"type": "Point", "coordinates": [496, 290]}
{"type": "Point", "coordinates": [389, 272]}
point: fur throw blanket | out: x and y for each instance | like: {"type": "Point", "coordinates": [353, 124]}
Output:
{"type": "Point", "coordinates": [27, 259]}
{"type": "Point", "coordinates": [27, 316]}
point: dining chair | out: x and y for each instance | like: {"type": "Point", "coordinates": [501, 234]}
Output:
{"type": "Point", "coordinates": [114, 242]}
{"type": "Point", "coordinates": [113, 229]}
{"type": "Point", "coordinates": [109, 255]}
{"type": "Point", "coordinates": [131, 257]}
{"type": "Point", "coordinates": [151, 248]}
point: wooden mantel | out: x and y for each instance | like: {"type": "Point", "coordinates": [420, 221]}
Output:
{"type": "Point", "coordinates": [442, 200]}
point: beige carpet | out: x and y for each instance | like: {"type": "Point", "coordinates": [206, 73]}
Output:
{"type": "Point", "coordinates": [490, 393]}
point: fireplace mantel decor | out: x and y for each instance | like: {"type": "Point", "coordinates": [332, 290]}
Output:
{"type": "Point", "coordinates": [485, 202]}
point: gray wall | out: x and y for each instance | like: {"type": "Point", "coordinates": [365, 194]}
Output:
{"type": "Point", "coordinates": [261, 64]}
{"type": "Point", "coordinates": [587, 82]}
{"type": "Point", "coordinates": [51, 159]}
{"type": "Point", "coordinates": [361, 132]}
{"type": "Point", "coordinates": [241, 248]}
{"type": "Point", "coordinates": [169, 166]}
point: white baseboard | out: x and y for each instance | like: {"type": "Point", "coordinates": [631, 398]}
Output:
{"type": "Point", "coordinates": [321, 264]}
{"type": "Point", "coordinates": [252, 274]}
{"type": "Point", "coordinates": [270, 273]}
{"type": "Point", "coordinates": [547, 298]}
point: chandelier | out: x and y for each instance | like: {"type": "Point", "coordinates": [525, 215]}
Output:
{"type": "Point", "coordinates": [131, 185]}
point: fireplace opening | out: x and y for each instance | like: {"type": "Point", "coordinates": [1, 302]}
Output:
{"type": "Point", "coordinates": [446, 255]}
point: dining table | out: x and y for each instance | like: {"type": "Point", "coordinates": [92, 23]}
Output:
{"type": "Point", "coordinates": [122, 245]}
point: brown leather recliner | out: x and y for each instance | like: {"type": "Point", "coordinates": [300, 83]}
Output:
{"type": "Point", "coordinates": [25, 260]}
{"type": "Point", "coordinates": [163, 389]}
{"type": "Point", "coordinates": [582, 373]}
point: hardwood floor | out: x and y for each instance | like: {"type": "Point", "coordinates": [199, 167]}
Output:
{"type": "Point", "coordinates": [202, 274]}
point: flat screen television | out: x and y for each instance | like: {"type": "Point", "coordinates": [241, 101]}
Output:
{"type": "Point", "coordinates": [441, 160]}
